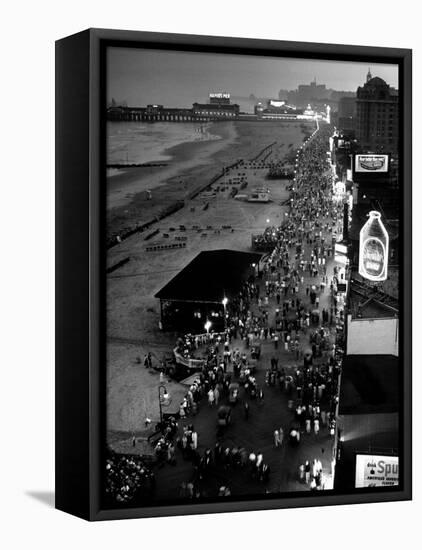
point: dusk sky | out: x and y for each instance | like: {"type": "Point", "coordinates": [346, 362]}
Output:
{"type": "Point", "coordinates": [177, 79]}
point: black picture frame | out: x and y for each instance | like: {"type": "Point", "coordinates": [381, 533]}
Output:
{"type": "Point", "coordinates": [80, 265]}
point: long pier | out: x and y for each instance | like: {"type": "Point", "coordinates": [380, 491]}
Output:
{"type": "Point", "coordinates": [145, 114]}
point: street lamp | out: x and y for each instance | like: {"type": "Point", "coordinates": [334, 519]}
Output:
{"type": "Point", "coordinates": [224, 302]}
{"type": "Point", "coordinates": [163, 400]}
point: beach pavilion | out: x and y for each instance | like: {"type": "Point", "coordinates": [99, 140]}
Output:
{"type": "Point", "coordinates": [195, 300]}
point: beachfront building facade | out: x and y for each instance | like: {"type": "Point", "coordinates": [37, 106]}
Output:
{"type": "Point", "coordinates": [368, 423]}
{"type": "Point", "coordinates": [366, 448]}
{"type": "Point", "coordinates": [276, 109]}
{"type": "Point", "coordinates": [216, 110]}
{"type": "Point", "coordinates": [377, 112]}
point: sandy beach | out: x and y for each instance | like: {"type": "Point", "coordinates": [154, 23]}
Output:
{"type": "Point", "coordinates": [179, 159]}
{"type": "Point", "coordinates": [192, 165]}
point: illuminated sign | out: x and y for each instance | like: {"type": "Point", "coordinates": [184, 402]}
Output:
{"type": "Point", "coordinates": [340, 248]}
{"type": "Point", "coordinates": [371, 163]}
{"type": "Point", "coordinates": [219, 95]}
{"type": "Point", "coordinates": [376, 471]}
{"type": "Point", "coordinates": [277, 103]}
{"type": "Point", "coordinates": [373, 249]}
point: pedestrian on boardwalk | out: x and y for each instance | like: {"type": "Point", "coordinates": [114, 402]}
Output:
{"type": "Point", "coordinates": [216, 395]}
{"type": "Point", "coordinates": [252, 464]}
{"type": "Point", "coordinates": [246, 410]}
{"type": "Point", "coordinates": [315, 468]}
{"type": "Point", "coordinates": [281, 435]}
{"type": "Point", "coordinates": [316, 426]}
{"type": "Point", "coordinates": [276, 438]}
{"type": "Point", "coordinates": [211, 397]}
{"type": "Point", "coordinates": [307, 471]}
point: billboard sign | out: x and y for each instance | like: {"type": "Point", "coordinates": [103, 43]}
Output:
{"type": "Point", "coordinates": [376, 471]}
{"type": "Point", "coordinates": [371, 163]}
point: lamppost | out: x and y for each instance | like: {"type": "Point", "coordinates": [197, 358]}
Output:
{"type": "Point", "coordinates": [163, 400]}
{"type": "Point", "coordinates": [224, 302]}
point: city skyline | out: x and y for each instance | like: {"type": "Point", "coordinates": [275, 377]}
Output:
{"type": "Point", "coordinates": [140, 77]}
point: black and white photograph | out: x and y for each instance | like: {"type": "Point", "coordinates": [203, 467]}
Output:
{"type": "Point", "coordinates": [210, 297]}
{"type": "Point", "coordinates": [253, 214]}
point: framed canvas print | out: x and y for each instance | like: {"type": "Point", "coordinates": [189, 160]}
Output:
{"type": "Point", "coordinates": [233, 274]}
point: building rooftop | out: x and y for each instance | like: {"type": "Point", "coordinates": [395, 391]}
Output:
{"type": "Point", "coordinates": [217, 106]}
{"type": "Point", "coordinates": [210, 276]}
{"type": "Point", "coordinates": [370, 384]}
{"type": "Point", "coordinates": [369, 301]}
{"type": "Point", "coordinates": [368, 412]}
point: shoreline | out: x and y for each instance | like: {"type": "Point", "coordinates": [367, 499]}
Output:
{"type": "Point", "coordinates": [184, 156]}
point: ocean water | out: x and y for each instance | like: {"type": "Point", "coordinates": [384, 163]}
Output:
{"type": "Point", "coordinates": [140, 142]}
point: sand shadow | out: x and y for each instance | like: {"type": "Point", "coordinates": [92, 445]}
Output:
{"type": "Point", "coordinates": [45, 497]}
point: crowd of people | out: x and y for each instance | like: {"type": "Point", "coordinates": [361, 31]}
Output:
{"type": "Point", "coordinates": [292, 303]}
{"type": "Point", "coordinates": [128, 478]}
{"type": "Point", "coordinates": [293, 279]}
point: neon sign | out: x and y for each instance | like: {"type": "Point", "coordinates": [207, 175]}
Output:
{"type": "Point", "coordinates": [373, 249]}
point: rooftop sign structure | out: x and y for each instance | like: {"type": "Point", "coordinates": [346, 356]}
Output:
{"type": "Point", "coordinates": [219, 95]}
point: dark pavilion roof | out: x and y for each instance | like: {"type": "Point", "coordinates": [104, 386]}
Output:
{"type": "Point", "coordinates": [210, 276]}
{"type": "Point", "coordinates": [370, 384]}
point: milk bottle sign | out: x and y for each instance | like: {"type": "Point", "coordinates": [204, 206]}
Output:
{"type": "Point", "coordinates": [373, 249]}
